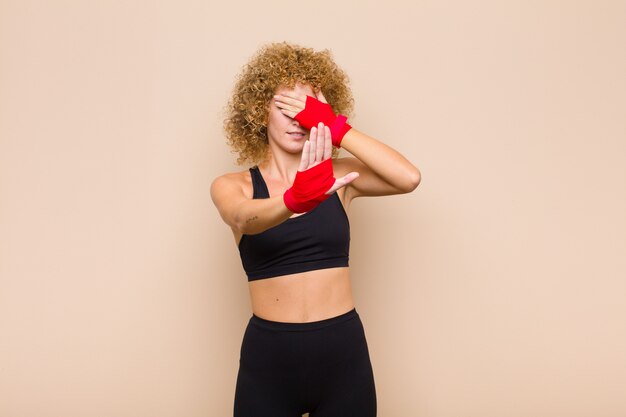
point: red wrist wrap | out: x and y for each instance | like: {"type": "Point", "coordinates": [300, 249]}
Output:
{"type": "Point", "coordinates": [315, 111]}
{"type": "Point", "coordinates": [309, 187]}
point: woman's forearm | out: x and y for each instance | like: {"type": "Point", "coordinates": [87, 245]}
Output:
{"type": "Point", "coordinates": [257, 215]}
{"type": "Point", "coordinates": [385, 161]}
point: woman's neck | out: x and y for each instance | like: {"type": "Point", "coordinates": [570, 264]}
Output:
{"type": "Point", "coordinates": [281, 168]}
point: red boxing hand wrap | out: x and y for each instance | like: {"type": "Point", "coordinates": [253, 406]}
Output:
{"type": "Point", "coordinates": [315, 111]}
{"type": "Point", "coordinates": [309, 187]}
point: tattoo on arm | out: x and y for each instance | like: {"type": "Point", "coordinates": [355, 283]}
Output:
{"type": "Point", "coordinates": [252, 219]}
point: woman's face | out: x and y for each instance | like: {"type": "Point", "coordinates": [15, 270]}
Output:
{"type": "Point", "coordinates": [284, 131]}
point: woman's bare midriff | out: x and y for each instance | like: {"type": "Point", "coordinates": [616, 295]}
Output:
{"type": "Point", "coordinates": [303, 297]}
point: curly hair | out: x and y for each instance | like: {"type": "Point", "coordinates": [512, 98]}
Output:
{"type": "Point", "coordinates": [277, 64]}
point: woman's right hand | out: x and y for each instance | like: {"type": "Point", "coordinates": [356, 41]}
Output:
{"type": "Point", "coordinates": [319, 148]}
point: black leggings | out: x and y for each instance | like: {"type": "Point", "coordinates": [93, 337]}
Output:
{"type": "Point", "coordinates": [321, 367]}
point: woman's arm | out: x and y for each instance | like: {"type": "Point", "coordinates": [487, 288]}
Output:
{"type": "Point", "coordinates": [252, 216]}
{"type": "Point", "coordinates": [246, 216]}
{"type": "Point", "coordinates": [382, 169]}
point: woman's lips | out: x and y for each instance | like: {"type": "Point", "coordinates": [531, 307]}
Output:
{"type": "Point", "coordinates": [296, 135]}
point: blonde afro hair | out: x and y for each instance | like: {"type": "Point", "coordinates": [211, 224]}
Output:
{"type": "Point", "coordinates": [274, 65]}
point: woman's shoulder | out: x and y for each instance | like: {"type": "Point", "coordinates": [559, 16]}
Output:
{"type": "Point", "coordinates": [234, 176]}
{"type": "Point", "coordinates": [233, 182]}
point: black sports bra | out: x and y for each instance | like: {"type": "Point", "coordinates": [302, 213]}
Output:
{"type": "Point", "coordinates": [317, 239]}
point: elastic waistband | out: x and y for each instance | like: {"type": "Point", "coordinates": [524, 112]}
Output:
{"type": "Point", "coordinates": [311, 325]}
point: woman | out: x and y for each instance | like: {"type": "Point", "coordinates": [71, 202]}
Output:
{"type": "Point", "coordinates": [304, 349]}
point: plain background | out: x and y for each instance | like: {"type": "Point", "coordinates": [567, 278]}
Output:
{"type": "Point", "coordinates": [496, 289]}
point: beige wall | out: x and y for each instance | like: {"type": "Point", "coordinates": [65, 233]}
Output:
{"type": "Point", "coordinates": [496, 289]}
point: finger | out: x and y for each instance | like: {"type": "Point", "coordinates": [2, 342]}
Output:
{"type": "Point", "coordinates": [343, 181]}
{"type": "Point", "coordinates": [285, 106]}
{"type": "Point", "coordinates": [321, 142]}
{"type": "Point", "coordinates": [311, 151]}
{"type": "Point", "coordinates": [304, 158]}
{"type": "Point", "coordinates": [320, 96]}
{"type": "Point", "coordinates": [292, 100]}
{"type": "Point", "coordinates": [292, 94]}
{"type": "Point", "coordinates": [289, 113]}
{"type": "Point", "coordinates": [328, 144]}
